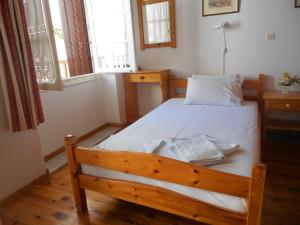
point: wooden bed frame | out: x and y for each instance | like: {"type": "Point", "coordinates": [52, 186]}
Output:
{"type": "Point", "coordinates": [162, 168]}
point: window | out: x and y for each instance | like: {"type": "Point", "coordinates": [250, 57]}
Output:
{"type": "Point", "coordinates": [59, 39]}
{"type": "Point", "coordinates": [98, 35]}
{"type": "Point", "coordinates": [110, 33]}
{"type": "Point", "coordinates": [90, 36]}
{"type": "Point", "coordinates": [75, 36]}
{"type": "Point", "coordinates": [42, 44]}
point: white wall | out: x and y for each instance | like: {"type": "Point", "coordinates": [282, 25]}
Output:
{"type": "Point", "coordinates": [121, 98]}
{"type": "Point", "coordinates": [76, 110]}
{"type": "Point", "coordinates": [113, 87]}
{"type": "Point", "coordinates": [249, 52]}
{"type": "Point", "coordinates": [21, 159]}
{"type": "Point", "coordinates": [199, 48]}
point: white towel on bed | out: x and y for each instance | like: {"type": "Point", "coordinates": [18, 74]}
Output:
{"type": "Point", "coordinates": [227, 148]}
{"type": "Point", "coordinates": [129, 143]}
{"type": "Point", "coordinates": [200, 149]}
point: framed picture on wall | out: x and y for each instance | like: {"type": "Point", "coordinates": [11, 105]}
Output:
{"type": "Point", "coordinates": [297, 3]}
{"type": "Point", "coordinates": [217, 7]}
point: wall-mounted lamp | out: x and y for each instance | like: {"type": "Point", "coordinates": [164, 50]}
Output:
{"type": "Point", "coordinates": [223, 27]}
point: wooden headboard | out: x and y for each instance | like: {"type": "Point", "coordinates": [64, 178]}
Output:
{"type": "Point", "coordinates": [249, 85]}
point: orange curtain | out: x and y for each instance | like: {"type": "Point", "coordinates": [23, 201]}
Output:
{"type": "Point", "coordinates": [17, 71]}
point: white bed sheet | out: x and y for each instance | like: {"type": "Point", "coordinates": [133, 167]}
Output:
{"type": "Point", "coordinates": [175, 119]}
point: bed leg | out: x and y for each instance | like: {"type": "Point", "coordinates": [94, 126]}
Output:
{"type": "Point", "coordinates": [75, 171]}
{"type": "Point", "coordinates": [256, 194]}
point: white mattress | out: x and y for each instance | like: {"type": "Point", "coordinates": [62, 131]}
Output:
{"type": "Point", "coordinates": [174, 119]}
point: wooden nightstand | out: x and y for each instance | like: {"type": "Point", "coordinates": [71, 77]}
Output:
{"type": "Point", "coordinates": [131, 80]}
{"type": "Point", "coordinates": [276, 101]}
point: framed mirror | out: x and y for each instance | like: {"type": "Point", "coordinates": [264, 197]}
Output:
{"type": "Point", "coordinates": [157, 23]}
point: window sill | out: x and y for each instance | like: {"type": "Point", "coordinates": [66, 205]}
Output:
{"type": "Point", "coordinates": [80, 79]}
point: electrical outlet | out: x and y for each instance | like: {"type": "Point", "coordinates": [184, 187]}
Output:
{"type": "Point", "coordinates": [270, 36]}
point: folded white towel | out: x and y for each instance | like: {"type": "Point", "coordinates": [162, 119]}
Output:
{"type": "Point", "coordinates": [200, 149]}
{"type": "Point", "coordinates": [227, 148]}
{"type": "Point", "coordinates": [195, 150]}
{"type": "Point", "coordinates": [129, 143]}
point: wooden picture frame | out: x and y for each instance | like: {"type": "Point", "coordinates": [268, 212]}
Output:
{"type": "Point", "coordinates": [172, 42]}
{"type": "Point", "coordinates": [297, 3]}
{"type": "Point", "coordinates": [219, 7]}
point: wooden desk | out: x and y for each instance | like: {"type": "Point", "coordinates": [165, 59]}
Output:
{"type": "Point", "coordinates": [131, 80]}
{"type": "Point", "coordinates": [276, 101]}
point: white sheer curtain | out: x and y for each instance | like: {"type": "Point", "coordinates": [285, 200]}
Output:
{"type": "Point", "coordinates": [43, 44]}
{"type": "Point", "coordinates": [157, 22]}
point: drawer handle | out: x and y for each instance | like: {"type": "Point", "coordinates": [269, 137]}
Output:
{"type": "Point", "coordinates": [142, 77]}
{"type": "Point", "coordinates": [288, 105]}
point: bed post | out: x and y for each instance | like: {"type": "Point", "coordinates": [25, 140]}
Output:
{"type": "Point", "coordinates": [75, 171]}
{"type": "Point", "coordinates": [260, 91]}
{"type": "Point", "coordinates": [260, 101]}
{"type": "Point", "coordinates": [172, 86]}
{"type": "Point", "coordinates": [256, 194]}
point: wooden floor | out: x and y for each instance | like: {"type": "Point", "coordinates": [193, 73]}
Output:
{"type": "Point", "coordinates": [282, 190]}
{"type": "Point", "coordinates": [52, 203]}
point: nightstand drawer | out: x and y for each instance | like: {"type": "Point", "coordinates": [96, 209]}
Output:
{"type": "Point", "coordinates": [285, 105]}
{"type": "Point", "coordinates": [144, 77]}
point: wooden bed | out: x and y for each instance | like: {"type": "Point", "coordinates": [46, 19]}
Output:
{"type": "Point", "coordinates": [162, 168]}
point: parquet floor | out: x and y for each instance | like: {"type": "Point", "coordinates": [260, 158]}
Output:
{"type": "Point", "coordinates": [51, 202]}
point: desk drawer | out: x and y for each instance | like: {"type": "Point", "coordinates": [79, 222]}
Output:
{"type": "Point", "coordinates": [144, 78]}
{"type": "Point", "coordinates": [285, 105]}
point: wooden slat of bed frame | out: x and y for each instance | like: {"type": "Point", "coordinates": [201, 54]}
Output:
{"type": "Point", "coordinates": [162, 168]}
{"type": "Point", "coordinates": [163, 199]}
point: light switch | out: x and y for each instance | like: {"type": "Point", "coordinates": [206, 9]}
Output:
{"type": "Point", "coordinates": [270, 36]}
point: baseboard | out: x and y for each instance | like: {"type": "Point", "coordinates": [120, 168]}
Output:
{"type": "Point", "coordinates": [83, 137]}
{"type": "Point", "coordinates": [92, 132]}
{"type": "Point", "coordinates": [120, 125]}
{"type": "Point", "coordinates": [25, 189]}
{"type": "Point", "coordinates": [55, 153]}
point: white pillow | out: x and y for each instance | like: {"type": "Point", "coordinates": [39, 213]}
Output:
{"type": "Point", "coordinates": [214, 76]}
{"type": "Point", "coordinates": [215, 90]}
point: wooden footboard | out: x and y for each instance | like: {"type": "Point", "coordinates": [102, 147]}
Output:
{"type": "Point", "coordinates": [166, 169]}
